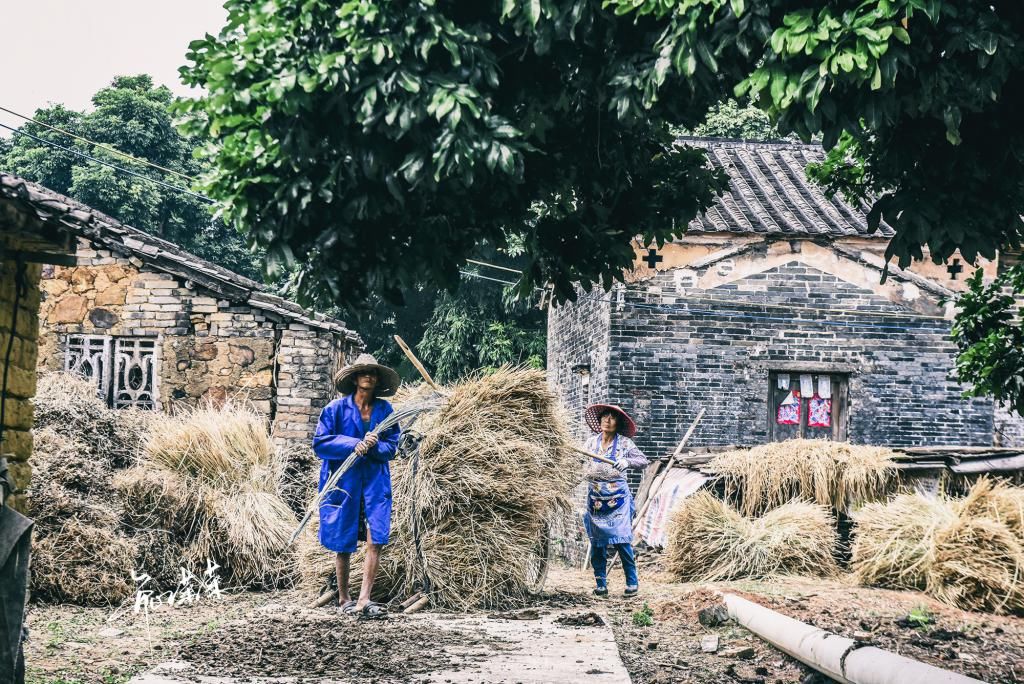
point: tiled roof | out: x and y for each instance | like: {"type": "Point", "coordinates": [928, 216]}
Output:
{"type": "Point", "coordinates": [105, 232]}
{"type": "Point", "coordinates": [769, 193]}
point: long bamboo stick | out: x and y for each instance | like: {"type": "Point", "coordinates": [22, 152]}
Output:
{"type": "Point", "coordinates": [416, 363]}
{"type": "Point", "coordinates": [602, 459]}
{"type": "Point", "coordinates": [656, 486]}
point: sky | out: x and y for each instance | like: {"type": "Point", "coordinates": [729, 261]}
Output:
{"type": "Point", "coordinates": [65, 50]}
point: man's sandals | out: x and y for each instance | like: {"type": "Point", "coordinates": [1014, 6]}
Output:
{"type": "Point", "coordinates": [371, 611]}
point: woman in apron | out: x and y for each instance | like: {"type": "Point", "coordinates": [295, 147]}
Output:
{"type": "Point", "coordinates": [610, 508]}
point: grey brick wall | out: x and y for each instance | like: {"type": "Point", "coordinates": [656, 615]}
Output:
{"type": "Point", "coordinates": [674, 348]}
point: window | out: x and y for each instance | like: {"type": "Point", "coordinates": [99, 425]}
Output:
{"type": "Point", "coordinates": [823, 413]}
{"type": "Point", "coordinates": [123, 368]}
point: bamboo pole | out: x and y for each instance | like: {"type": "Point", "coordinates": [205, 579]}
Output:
{"type": "Point", "coordinates": [325, 598]}
{"type": "Point", "coordinates": [422, 603]}
{"type": "Point", "coordinates": [411, 600]}
{"type": "Point", "coordinates": [602, 459]}
{"type": "Point", "coordinates": [656, 486]}
{"type": "Point", "coordinates": [416, 363]}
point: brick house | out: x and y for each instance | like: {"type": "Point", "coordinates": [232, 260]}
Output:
{"type": "Point", "coordinates": [157, 327]}
{"type": "Point", "coordinates": [774, 287]}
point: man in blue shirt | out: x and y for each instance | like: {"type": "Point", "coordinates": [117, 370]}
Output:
{"type": "Point", "coordinates": [359, 507]}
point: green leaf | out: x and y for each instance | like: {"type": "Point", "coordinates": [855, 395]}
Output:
{"type": "Point", "coordinates": [533, 12]}
{"type": "Point", "coordinates": [408, 82]}
{"type": "Point", "coordinates": [737, 7]}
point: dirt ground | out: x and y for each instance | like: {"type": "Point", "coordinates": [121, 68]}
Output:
{"type": "Point", "coordinates": [260, 633]}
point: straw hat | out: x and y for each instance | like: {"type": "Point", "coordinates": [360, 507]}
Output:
{"type": "Point", "coordinates": [626, 426]}
{"type": "Point", "coordinates": [387, 379]}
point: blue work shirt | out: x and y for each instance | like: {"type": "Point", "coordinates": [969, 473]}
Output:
{"type": "Point", "coordinates": [366, 485]}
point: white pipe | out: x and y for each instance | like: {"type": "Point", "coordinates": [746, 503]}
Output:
{"type": "Point", "coordinates": [835, 656]}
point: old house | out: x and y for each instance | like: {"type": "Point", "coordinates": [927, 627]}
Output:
{"type": "Point", "coordinates": [29, 238]}
{"type": "Point", "coordinates": [771, 314]}
{"type": "Point", "coordinates": [157, 327]}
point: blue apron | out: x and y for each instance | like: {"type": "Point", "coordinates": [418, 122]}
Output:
{"type": "Point", "coordinates": [610, 509]}
{"type": "Point", "coordinates": [363, 496]}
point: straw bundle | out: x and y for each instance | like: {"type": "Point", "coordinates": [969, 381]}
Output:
{"type": "Point", "coordinates": [708, 540]}
{"type": "Point", "coordinates": [834, 474]}
{"type": "Point", "coordinates": [81, 553]}
{"type": "Point", "coordinates": [212, 476]}
{"type": "Point", "coordinates": [495, 466]}
{"type": "Point", "coordinates": [894, 544]}
{"type": "Point", "coordinates": [966, 552]}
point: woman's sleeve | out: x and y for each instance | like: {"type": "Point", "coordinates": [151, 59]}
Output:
{"type": "Point", "coordinates": [330, 446]}
{"type": "Point", "coordinates": [636, 458]}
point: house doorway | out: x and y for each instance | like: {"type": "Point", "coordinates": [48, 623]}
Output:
{"type": "Point", "coordinates": [813, 405]}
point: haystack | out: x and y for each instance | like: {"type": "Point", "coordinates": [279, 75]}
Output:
{"type": "Point", "coordinates": [833, 474]}
{"type": "Point", "coordinates": [494, 467]}
{"type": "Point", "coordinates": [966, 552]}
{"type": "Point", "coordinates": [81, 552]}
{"type": "Point", "coordinates": [708, 540]}
{"type": "Point", "coordinates": [212, 477]}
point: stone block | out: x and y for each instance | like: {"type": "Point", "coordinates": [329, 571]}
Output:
{"type": "Point", "coordinates": [20, 474]}
{"type": "Point", "coordinates": [69, 309]}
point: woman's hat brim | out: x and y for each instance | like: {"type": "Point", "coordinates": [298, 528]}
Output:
{"type": "Point", "coordinates": [592, 416]}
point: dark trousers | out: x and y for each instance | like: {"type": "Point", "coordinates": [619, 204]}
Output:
{"type": "Point", "coordinates": [599, 559]}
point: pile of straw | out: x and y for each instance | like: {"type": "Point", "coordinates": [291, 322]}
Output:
{"type": "Point", "coordinates": [121, 491]}
{"type": "Point", "coordinates": [966, 552]}
{"type": "Point", "coordinates": [81, 552]}
{"type": "Point", "coordinates": [212, 477]}
{"type": "Point", "coordinates": [834, 474]}
{"type": "Point", "coordinates": [495, 467]}
{"type": "Point", "coordinates": [708, 540]}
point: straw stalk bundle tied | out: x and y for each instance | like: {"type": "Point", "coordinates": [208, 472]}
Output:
{"type": "Point", "coordinates": [965, 552]}
{"type": "Point", "coordinates": [708, 540]}
{"type": "Point", "coordinates": [834, 474]}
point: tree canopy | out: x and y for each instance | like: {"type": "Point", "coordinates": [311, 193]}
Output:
{"type": "Point", "coordinates": [375, 144]}
{"type": "Point", "coordinates": [132, 116]}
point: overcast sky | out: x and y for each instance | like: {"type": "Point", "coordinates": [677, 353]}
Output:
{"type": "Point", "coordinates": [66, 50]}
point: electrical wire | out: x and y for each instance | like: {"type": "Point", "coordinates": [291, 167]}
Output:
{"type": "Point", "coordinates": [162, 184]}
{"type": "Point", "coordinates": [100, 145]}
{"type": "Point", "coordinates": [483, 277]}
{"type": "Point", "coordinates": [500, 268]}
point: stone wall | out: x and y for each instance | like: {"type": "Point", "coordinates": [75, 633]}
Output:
{"type": "Point", "coordinates": [16, 445]}
{"type": "Point", "coordinates": [676, 347]}
{"type": "Point", "coordinates": [207, 348]}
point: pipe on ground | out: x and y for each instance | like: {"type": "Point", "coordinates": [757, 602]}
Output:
{"type": "Point", "coordinates": [835, 656]}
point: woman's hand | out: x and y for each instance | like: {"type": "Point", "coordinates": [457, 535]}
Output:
{"type": "Point", "coordinates": [370, 440]}
{"type": "Point", "coordinates": [621, 464]}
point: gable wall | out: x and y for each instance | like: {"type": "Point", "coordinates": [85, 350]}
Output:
{"type": "Point", "coordinates": [684, 339]}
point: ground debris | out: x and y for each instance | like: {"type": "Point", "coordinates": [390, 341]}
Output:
{"type": "Point", "coordinates": [581, 620]}
{"type": "Point", "coordinates": [321, 646]}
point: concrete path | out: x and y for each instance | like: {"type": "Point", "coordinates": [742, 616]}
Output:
{"type": "Point", "coordinates": [532, 652]}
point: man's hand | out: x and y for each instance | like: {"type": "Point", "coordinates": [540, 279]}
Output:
{"type": "Point", "coordinates": [370, 440]}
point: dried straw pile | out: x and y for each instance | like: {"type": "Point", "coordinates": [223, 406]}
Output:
{"type": "Point", "coordinates": [833, 474]}
{"type": "Point", "coordinates": [708, 540]}
{"type": "Point", "coordinates": [212, 478]}
{"type": "Point", "coordinates": [966, 552]}
{"type": "Point", "coordinates": [81, 551]}
{"type": "Point", "coordinates": [495, 467]}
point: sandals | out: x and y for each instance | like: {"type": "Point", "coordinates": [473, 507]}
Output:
{"type": "Point", "coordinates": [347, 608]}
{"type": "Point", "coordinates": [373, 611]}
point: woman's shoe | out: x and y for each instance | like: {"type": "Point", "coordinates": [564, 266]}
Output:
{"type": "Point", "coordinates": [601, 591]}
{"type": "Point", "coordinates": [631, 591]}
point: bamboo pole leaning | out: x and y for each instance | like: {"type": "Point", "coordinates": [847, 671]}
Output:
{"type": "Point", "coordinates": [656, 486]}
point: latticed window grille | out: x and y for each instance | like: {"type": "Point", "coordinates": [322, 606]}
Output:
{"type": "Point", "coordinates": [123, 368]}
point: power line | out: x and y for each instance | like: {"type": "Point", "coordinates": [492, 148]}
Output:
{"type": "Point", "coordinates": [100, 145]}
{"type": "Point", "coordinates": [500, 268]}
{"type": "Point", "coordinates": [483, 277]}
{"type": "Point", "coordinates": [108, 164]}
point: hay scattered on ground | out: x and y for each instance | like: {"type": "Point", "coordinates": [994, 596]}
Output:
{"type": "Point", "coordinates": [834, 474]}
{"type": "Point", "coordinates": [966, 552]}
{"type": "Point", "coordinates": [708, 540]}
{"type": "Point", "coordinates": [495, 466]}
